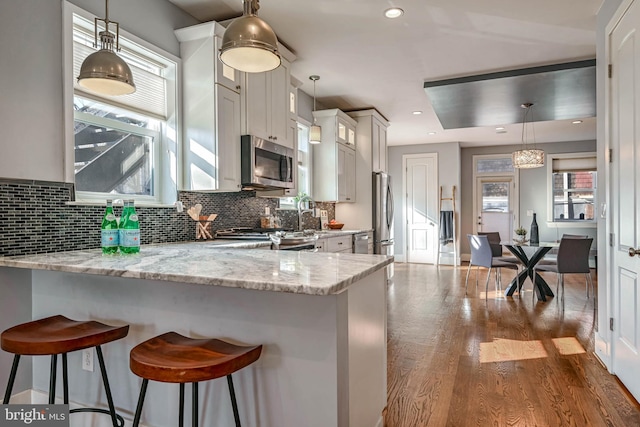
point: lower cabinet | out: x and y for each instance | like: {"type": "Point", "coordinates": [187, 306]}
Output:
{"type": "Point", "coordinates": [335, 244]}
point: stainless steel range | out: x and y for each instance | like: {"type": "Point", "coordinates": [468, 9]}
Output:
{"type": "Point", "coordinates": [281, 239]}
{"type": "Point", "coordinates": [246, 233]}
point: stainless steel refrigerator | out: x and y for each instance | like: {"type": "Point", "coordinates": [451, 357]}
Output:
{"type": "Point", "coordinates": [382, 214]}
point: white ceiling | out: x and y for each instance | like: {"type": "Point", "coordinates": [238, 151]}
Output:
{"type": "Point", "coordinates": [366, 60]}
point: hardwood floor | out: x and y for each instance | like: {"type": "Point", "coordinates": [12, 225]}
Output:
{"type": "Point", "coordinates": [537, 368]}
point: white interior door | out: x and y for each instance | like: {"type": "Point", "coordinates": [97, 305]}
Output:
{"type": "Point", "coordinates": [421, 183]}
{"type": "Point", "coordinates": [495, 205]}
{"type": "Point", "coordinates": [625, 198]}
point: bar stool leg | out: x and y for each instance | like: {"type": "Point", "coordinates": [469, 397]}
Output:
{"type": "Point", "coordinates": [65, 379]}
{"type": "Point", "coordinates": [143, 392]}
{"type": "Point", "coordinates": [107, 389]}
{"type": "Point", "coordinates": [234, 403]}
{"type": "Point", "coordinates": [52, 379]}
{"type": "Point", "coordinates": [181, 413]}
{"type": "Point", "coordinates": [194, 405]}
{"type": "Point", "coordinates": [12, 378]}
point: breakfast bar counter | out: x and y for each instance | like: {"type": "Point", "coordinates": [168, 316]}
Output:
{"type": "Point", "coordinates": [321, 318]}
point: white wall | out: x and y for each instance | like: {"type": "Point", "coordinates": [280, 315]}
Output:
{"type": "Point", "coordinates": [31, 102]}
{"type": "Point", "coordinates": [448, 176]}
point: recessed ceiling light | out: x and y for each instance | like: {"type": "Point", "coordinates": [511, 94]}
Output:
{"type": "Point", "coordinates": [499, 128]}
{"type": "Point", "coordinates": [576, 122]}
{"type": "Point", "coordinates": [417, 113]}
{"type": "Point", "coordinates": [394, 12]}
{"type": "Point", "coordinates": [431, 133]}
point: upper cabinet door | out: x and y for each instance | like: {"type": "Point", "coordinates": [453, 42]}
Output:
{"type": "Point", "coordinates": [266, 105]}
{"type": "Point", "coordinates": [228, 137]}
{"type": "Point", "coordinates": [225, 75]}
{"type": "Point", "coordinates": [280, 105]}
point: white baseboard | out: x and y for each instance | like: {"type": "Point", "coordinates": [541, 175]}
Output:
{"type": "Point", "coordinates": [80, 419]}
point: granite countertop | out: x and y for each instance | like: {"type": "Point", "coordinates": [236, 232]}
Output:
{"type": "Point", "coordinates": [212, 263]}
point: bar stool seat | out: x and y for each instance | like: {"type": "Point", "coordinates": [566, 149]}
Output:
{"type": "Point", "coordinates": [174, 358]}
{"type": "Point", "coordinates": [59, 335]}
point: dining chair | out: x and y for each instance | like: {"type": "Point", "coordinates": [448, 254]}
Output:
{"type": "Point", "coordinates": [553, 258]}
{"type": "Point", "coordinates": [573, 258]}
{"type": "Point", "coordinates": [496, 247]}
{"type": "Point", "coordinates": [482, 256]}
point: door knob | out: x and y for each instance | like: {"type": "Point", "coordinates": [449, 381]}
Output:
{"type": "Point", "coordinates": [634, 252]}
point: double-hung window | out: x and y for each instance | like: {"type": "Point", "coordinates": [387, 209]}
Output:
{"type": "Point", "coordinates": [125, 146]}
{"type": "Point", "coordinates": [572, 182]}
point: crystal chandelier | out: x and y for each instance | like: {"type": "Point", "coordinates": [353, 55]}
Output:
{"type": "Point", "coordinates": [527, 158]}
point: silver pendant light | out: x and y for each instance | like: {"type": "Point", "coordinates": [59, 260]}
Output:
{"type": "Point", "coordinates": [315, 132]}
{"type": "Point", "coordinates": [104, 71]}
{"type": "Point", "coordinates": [249, 44]}
{"type": "Point", "coordinates": [527, 158]}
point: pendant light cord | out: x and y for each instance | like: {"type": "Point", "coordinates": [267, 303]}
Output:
{"type": "Point", "coordinates": [527, 108]}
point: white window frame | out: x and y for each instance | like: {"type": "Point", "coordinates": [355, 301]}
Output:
{"type": "Point", "coordinates": [515, 175]}
{"type": "Point", "coordinates": [288, 202]}
{"type": "Point", "coordinates": [166, 165]}
{"type": "Point", "coordinates": [551, 223]}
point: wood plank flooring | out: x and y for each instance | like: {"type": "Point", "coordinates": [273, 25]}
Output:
{"type": "Point", "coordinates": [436, 337]}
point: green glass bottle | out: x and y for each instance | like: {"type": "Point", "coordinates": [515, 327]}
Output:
{"type": "Point", "coordinates": [109, 231]}
{"type": "Point", "coordinates": [130, 230]}
{"type": "Point", "coordinates": [123, 219]}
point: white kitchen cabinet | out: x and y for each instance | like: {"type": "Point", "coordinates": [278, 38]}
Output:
{"type": "Point", "coordinates": [346, 131]}
{"type": "Point", "coordinates": [321, 245]}
{"type": "Point", "coordinates": [372, 137]}
{"type": "Point", "coordinates": [211, 101]}
{"type": "Point", "coordinates": [341, 244]}
{"type": "Point", "coordinates": [371, 146]}
{"type": "Point", "coordinates": [334, 162]}
{"type": "Point", "coordinates": [266, 105]}
{"type": "Point", "coordinates": [346, 174]}
{"type": "Point", "coordinates": [338, 244]}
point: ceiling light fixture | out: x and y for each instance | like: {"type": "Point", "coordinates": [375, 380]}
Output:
{"type": "Point", "coordinates": [104, 71]}
{"type": "Point", "coordinates": [393, 12]}
{"type": "Point", "coordinates": [431, 133]}
{"type": "Point", "coordinates": [249, 44]}
{"type": "Point", "coordinates": [500, 128]}
{"type": "Point", "coordinates": [417, 113]}
{"type": "Point", "coordinates": [527, 158]}
{"type": "Point", "coordinates": [576, 122]}
{"type": "Point", "coordinates": [315, 131]}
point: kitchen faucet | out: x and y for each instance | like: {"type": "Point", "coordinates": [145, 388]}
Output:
{"type": "Point", "coordinates": [303, 199]}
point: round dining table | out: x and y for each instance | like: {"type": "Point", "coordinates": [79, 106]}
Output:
{"type": "Point", "coordinates": [529, 259]}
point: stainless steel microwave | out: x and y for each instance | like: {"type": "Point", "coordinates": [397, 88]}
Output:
{"type": "Point", "coordinates": [266, 165]}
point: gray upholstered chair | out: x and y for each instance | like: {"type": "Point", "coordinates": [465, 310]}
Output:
{"type": "Point", "coordinates": [482, 256]}
{"type": "Point", "coordinates": [573, 258]}
{"type": "Point", "coordinates": [496, 247]}
{"type": "Point", "coordinates": [552, 258]}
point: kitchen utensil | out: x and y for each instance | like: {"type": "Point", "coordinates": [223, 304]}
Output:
{"type": "Point", "coordinates": [194, 211]}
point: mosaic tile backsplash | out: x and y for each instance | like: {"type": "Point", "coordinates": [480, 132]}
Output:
{"type": "Point", "coordinates": [36, 219]}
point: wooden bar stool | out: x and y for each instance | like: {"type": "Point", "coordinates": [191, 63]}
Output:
{"type": "Point", "coordinates": [58, 335]}
{"type": "Point", "coordinates": [173, 358]}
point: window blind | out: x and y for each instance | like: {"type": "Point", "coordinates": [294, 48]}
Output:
{"type": "Point", "coordinates": [149, 97]}
{"type": "Point", "coordinates": [577, 164]}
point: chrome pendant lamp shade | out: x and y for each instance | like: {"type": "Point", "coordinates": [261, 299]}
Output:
{"type": "Point", "coordinates": [104, 71]}
{"type": "Point", "coordinates": [315, 131]}
{"type": "Point", "coordinates": [249, 44]}
{"type": "Point", "coordinates": [527, 158]}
